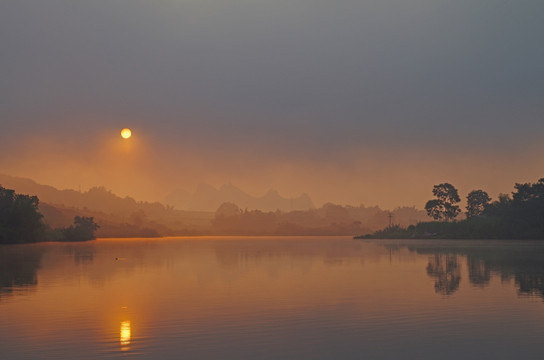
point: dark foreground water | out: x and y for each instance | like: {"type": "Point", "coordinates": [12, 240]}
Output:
{"type": "Point", "coordinates": [272, 298]}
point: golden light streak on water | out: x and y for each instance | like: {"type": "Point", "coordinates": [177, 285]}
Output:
{"type": "Point", "coordinates": [124, 335]}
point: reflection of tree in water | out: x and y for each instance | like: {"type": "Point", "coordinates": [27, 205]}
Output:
{"type": "Point", "coordinates": [530, 283]}
{"type": "Point", "coordinates": [479, 273]}
{"type": "Point", "coordinates": [447, 272]}
{"type": "Point", "coordinates": [83, 253]}
{"type": "Point", "coordinates": [525, 264]}
{"type": "Point", "coordinates": [18, 267]}
{"type": "Point", "coordinates": [521, 261]}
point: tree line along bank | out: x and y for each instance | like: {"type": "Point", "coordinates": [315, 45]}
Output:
{"type": "Point", "coordinates": [21, 222]}
{"type": "Point", "coordinates": [519, 215]}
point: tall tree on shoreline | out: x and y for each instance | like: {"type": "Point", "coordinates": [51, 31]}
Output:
{"type": "Point", "coordinates": [444, 206]}
{"type": "Point", "coordinates": [20, 221]}
{"type": "Point", "coordinates": [477, 202]}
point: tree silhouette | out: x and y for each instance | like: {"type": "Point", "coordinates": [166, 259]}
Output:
{"type": "Point", "coordinates": [82, 230]}
{"type": "Point", "coordinates": [444, 206]}
{"type": "Point", "coordinates": [227, 209]}
{"type": "Point", "coordinates": [20, 221]}
{"type": "Point", "coordinates": [529, 192]}
{"type": "Point", "coordinates": [435, 209]}
{"type": "Point", "coordinates": [477, 202]}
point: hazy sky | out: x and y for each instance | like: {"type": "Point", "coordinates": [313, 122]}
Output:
{"type": "Point", "coordinates": [351, 101]}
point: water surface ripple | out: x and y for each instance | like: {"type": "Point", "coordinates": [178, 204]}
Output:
{"type": "Point", "coordinates": [272, 298]}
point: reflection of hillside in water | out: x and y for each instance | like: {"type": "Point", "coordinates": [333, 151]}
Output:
{"type": "Point", "coordinates": [207, 259]}
{"type": "Point", "coordinates": [230, 254]}
{"type": "Point", "coordinates": [523, 262]}
{"type": "Point", "coordinates": [19, 265]}
{"type": "Point", "coordinates": [82, 253]}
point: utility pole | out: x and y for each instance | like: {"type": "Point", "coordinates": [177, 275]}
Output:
{"type": "Point", "coordinates": [390, 216]}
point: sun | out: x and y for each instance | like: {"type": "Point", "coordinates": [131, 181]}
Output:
{"type": "Point", "coordinates": [126, 133]}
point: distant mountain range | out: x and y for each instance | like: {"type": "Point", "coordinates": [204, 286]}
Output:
{"type": "Point", "coordinates": [208, 198]}
{"type": "Point", "coordinates": [116, 216]}
{"type": "Point", "coordinates": [96, 198]}
{"type": "Point", "coordinates": [196, 214]}
{"type": "Point", "coordinates": [205, 198]}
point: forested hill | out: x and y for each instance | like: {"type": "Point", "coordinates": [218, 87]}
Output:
{"type": "Point", "coordinates": [118, 217]}
{"type": "Point", "coordinates": [96, 198]}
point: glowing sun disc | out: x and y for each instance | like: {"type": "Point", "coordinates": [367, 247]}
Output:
{"type": "Point", "coordinates": [126, 133]}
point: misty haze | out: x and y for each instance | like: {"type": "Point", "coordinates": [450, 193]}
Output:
{"type": "Point", "coordinates": [242, 179]}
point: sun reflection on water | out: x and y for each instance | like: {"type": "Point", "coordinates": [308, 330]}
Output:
{"type": "Point", "coordinates": [124, 335]}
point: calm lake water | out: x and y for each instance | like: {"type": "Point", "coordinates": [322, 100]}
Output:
{"type": "Point", "coordinates": [272, 298]}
